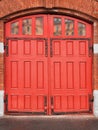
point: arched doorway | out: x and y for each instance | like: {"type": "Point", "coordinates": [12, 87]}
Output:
{"type": "Point", "coordinates": [48, 65]}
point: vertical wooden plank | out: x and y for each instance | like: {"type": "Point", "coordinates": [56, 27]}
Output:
{"type": "Point", "coordinates": [82, 75]}
{"type": "Point", "coordinates": [70, 102]}
{"type": "Point", "coordinates": [40, 102]}
{"type": "Point", "coordinates": [58, 103]}
{"type": "Point", "coordinates": [57, 48]}
{"type": "Point", "coordinates": [57, 75]}
{"type": "Point", "coordinates": [27, 47]}
{"type": "Point", "coordinates": [27, 102]}
{"type": "Point", "coordinates": [83, 102]}
{"type": "Point", "coordinates": [40, 74]}
{"type": "Point", "coordinates": [14, 74]}
{"type": "Point", "coordinates": [14, 47]}
{"type": "Point", "coordinates": [14, 102]}
{"type": "Point", "coordinates": [70, 75]}
{"type": "Point", "coordinates": [27, 74]}
{"type": "Point", "coordinates": [40, 47]}
{"type": "Point", "coordinates": [69, 48]}
{"type": "Point", "coordinates": [82, 48]}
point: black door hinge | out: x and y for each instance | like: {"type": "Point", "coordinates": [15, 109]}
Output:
{"type": "Point", "coordinates": [6, 102]}
{"type": "Point", "coordinates": [46, 47]}
{"type": "Point", "coordinates": [6, 49]}
{"type": "Point", "coordinates": [90, 48]}
{"type": "Point", "coordinates": [91, 99]}
{"type": "Point", "coordinates": [51, 48]}
{"type": "Point", "coordinates": [6, 99]}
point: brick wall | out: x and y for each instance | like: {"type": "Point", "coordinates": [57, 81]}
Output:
{"type": "Point", "coordinates": [95, 58]}
{"type": "Point", "coordinates": [95, 33]}
{"type": "Point", "coordinates": [95, 71]}
{"type": "Point", "coordinates": [1, 31]}
{"type": "Point", "coordinates": [87, 8]}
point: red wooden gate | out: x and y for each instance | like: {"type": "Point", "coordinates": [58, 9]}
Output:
{"type": "Point", "coordinates": [48, 69]}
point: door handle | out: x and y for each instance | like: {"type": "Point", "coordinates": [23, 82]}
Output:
{"type": "Point", "coordinates": [46, 48]}
{"type": "Point", "coordinates": [45, 104]}
{"type": "Point", "coordinates": [51, 49]}
{"type": "Point", "coordinates": [52, 105]}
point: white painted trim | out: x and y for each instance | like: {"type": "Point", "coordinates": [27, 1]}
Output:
{"type": "Point", "coordinates": [95, 106]}
{"type": "Point", "coordinates": [1, 47]}
{"type": "Point", "coordinates": [1, 102]}
{"type": "Point", "coordinates": [95, 48]}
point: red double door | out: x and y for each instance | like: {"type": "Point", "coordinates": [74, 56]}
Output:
{"type": "Point", "coordinates": [49, 73]}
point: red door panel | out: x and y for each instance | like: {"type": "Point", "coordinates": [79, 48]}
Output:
{"type": "Point", "coordinates": [70, 69]}
{"type": "Point", "coordinates": [27, 83]}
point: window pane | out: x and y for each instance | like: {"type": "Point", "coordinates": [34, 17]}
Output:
{"type": "Point", "coordinates": [57, 26]}
{"type": "Point", "coordinates": [15, 28]}
{"type": "Point", "coordinates": [69, 28]}
{"type": "Point", "coordinates": [39, 26]}
{"type": "Point", "coordinates": [27, 26]}
{"type": "Point", "coordinates": [81, 29]}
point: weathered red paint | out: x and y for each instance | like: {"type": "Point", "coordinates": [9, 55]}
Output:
{"type": "Point", "coordinates": [50, 74]}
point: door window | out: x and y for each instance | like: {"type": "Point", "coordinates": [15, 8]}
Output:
{"type": "Point", "coordinates": [39, 26]}
{"type": "Point", "coordinates": [57, 26]}
{"type": "Point", "coordinates": [69, 27]}
{"type": "Point", "coordinates": [81, 29]}
{"type": "Point", "coordinates": [15, 28]}
{"type": "Point", "coordinates": [27, 26]}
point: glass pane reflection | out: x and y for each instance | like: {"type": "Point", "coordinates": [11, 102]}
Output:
{"type": "Point", "coordinates": [69, 28]}
{"type": "Point", "coordinates": [39, 26]}
{"type": "Point", "coordinates": [27, 26]}
{"type": "Point", "coordinates": [81, 29]}
{"type": "Point", "coordinates": [57, 26]}
{"type": "Point", "coordinates": [15, 28]}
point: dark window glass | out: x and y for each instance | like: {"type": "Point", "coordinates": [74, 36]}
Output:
{"type": "Point", "coordinates": [81, 29]}
{"type": "Point", "coordinates": [27, 26]}
{"type": "Point", "coordinates": [15, 28]}
{"type": "Point", "coordinates": [57, 26]}
{"type": "Point", "coordinates": [39, 26]}
{"type": "Point", "coordinates": [69, 27]}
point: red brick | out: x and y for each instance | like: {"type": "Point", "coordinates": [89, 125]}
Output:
{"type": "Point", "coordinates": [1, 31]}
{"type": "Point", "coordinates": [95, 32]}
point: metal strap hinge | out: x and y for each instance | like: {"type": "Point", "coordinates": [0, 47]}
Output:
{"type": "Point", "coordinates": [90, 50]}
{"type": "Point", "coordinates": [91, 99]}
{"type": "Point", "coordinates": [6, 102]}
{"type": "Point", "coordinates": [6, 99]}
{"type": "Point", "coordinates": [46, 48]}
{"type": "Point", "coordinates": [6, 49]}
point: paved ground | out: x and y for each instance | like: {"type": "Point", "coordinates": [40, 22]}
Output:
{"type": "Point", "coordinates": [68, 122]}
